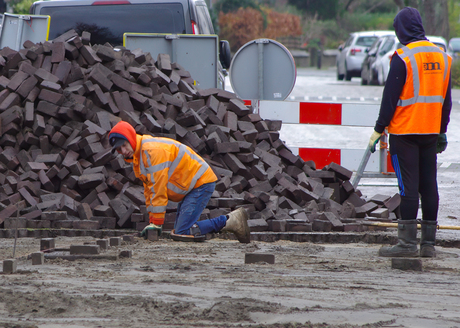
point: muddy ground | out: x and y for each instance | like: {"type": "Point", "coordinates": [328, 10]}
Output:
{"type": "Point", "coordinates": [177, 284]}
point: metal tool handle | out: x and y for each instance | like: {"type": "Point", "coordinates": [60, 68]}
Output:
{"type": "Point", "coordinates": [362, 166]}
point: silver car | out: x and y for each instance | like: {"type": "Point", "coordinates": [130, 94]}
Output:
{"type": "Point", "coordinates": [383, 59]}
{"type": "Point", "coordinates": [351, 54]}
{"type": "Point", "coordinates": [454, 48]}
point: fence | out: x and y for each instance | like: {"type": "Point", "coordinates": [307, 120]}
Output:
{"type": "Point", "coordinates": [333, 114]}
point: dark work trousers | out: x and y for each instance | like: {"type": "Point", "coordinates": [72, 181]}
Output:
{"type": "Point", "coordinates": [190, 208]}
{"type": "Point", "coordinates": [414, 161]}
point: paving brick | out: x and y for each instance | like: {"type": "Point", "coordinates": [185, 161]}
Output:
{"type": "Point", "coordinates": [105, 222]}
{"type": "Point", "coordinates": [322, 225]}
{"type": "Point", "coordinates": [340, 172]}
{"type": "Point", "coordinates": [47, 243]}
{"type": "Point", "coordinates": [379, 199]}
{"type": "Point", "coordinates": [349, 227]}
{"type": "Point", "coordinates": [17, 80]}
{"type": "Point", "coordinates": [406, 264]}
{"type": "Point", "coordinates": [289, 157]}
{"type": "Point", "coordinates": [380, 213]}
{"type": "Point", "coordinates": [15, 223]}
{"type": "Point", "coordinates": [258, 225]}
{"type": "Point", "coordinates": [84, 249]}
{"type": "Point", "coordinates": [298, 225]}
{"type": "Point", "coordinates": [103, 243]}
{"type": "Point", "coordinates": [42, 74]}
{"type": "Point", "coordinates": [54, 215]}
{"type": "Point", "coordinates": [90, 181]}
{"type": "Point", "coordinates": [89, 55]}
{"type": "Point", "coordinates": [115, 241]}
{"type": "Point", "coordinates": [11, 100]}
{"type": "Point", "coordinates": [128, 239]}
{"type": "Point", "coordinates": [277, 225]}
{"type": "Point", "coordinates": [259, 257]}
{"type": "Point", "coordinates": [85, 224]}
{"type": "Point", "coordinates": [7, 212]}
{"type": "Point", "coordinates": [337, 225]}
{"type": "Point", "coordinates": [393, 203]}
{"type": "Point", "coordinates": [37, 224]}
{"type": "Point", "coordinates": [152, 235]}
{"type": "Point", "coordinates": [365, 209]}
{"type": "Point", "coordinates": [38, 258]}
{"type": "Point", "coordinates": [136, 195]}
{"type": "Point", "coordinates": [126, 253]}
{"type": "Point", "coordinates": [10, 266]}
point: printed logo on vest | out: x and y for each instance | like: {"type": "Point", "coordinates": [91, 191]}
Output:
{"type": "Point", "coordinates": [432, 66]}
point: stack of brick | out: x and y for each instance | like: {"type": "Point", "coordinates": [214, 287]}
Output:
{"type": "Point", "coordinates": [58, 101]}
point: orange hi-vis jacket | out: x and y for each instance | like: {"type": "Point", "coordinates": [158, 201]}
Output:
{"type": "Point", "coordinates": [169, 171]}
{"type": "Point", "coordinates": [419, 108]}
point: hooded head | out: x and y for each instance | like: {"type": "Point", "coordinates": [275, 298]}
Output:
{"type": "Point", "coordinates": [408, 26]}
{"type": "Point", "coordinates": [121, 132]}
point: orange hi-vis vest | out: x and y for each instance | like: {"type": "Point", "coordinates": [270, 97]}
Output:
{"type": "Point", "coordinates": [419, 108]}
{"type": "Point", "coordinates": [169, 171]}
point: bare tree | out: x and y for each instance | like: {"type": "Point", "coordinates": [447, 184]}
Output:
{"type": "Point", "coordinates": [406, 3]}
{"type": "Point", "coordinates": [435, 15]}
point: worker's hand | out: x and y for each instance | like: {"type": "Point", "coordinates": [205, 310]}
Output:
{"type": "Point", "coordinates": [441, 145]}
{"type": "Point", "coordinates": [375, 137]}
{"type": "Point", "coordinates": [151, 226]}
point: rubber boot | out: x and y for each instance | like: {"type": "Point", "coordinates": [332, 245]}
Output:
{"type": "Point", "coordinates": [428, 238]}
{"type": "Point", "coordinates": [407, 244]}
{"type": "Point", "coordinates": [237, 223]}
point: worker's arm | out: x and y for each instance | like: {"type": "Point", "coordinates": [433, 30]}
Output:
{"type": "Point", "coordinates": [155, 186]}
{"type": "Point", "coordinates": [441, 144]}
{"type": "Point", "coordinates": [446, 107]}
{"type": "Point", "coordinates": [393, 88]}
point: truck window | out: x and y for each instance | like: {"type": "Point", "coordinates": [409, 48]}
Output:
{"type": "Point", "coordinates": [107, 23]}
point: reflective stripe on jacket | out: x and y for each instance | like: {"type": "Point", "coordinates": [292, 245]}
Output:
{"type": "Point", "coordinates": [169, 171]}
{"type": "Point", "coordinates": [419, 108]}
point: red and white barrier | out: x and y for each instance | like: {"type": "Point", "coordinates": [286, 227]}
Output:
{"type": "Point", "coordinates": [354, 115]}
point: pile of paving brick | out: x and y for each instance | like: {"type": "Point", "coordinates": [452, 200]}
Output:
{"type": "Point", "coordinates": [58, 101]}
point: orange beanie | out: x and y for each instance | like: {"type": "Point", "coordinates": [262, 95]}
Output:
{"type": "Point", "coordinates": [124, 129]}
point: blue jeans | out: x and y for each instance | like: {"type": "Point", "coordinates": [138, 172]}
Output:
{"type": "Point", "coordinates": [190, 209]}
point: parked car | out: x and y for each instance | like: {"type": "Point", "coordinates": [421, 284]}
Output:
{"type": "Point", "coordinates": [453, 49]}
{"type": "Point", "coordinates": [439, 41]}
{"type": "Point", "coordinates": [382, 61]}
{"type": "Point", "coordinates": [108, 20]}
{"type": "Point", "coordinates": [352, 53]}
{"type": "Point", "coordinates": [374, 53]}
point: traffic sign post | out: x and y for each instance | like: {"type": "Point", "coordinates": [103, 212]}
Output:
{"type": "Point", "coordinates": [263, 69]}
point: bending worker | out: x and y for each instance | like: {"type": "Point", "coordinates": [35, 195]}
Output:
{"type": "Point", "coordinates": [415, 107]}
{"type": "Point", "coordinates": [170, 170]}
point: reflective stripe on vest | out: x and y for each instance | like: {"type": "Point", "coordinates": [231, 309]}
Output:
{"type": "Point", "coordinates": [410, 54]}
{"type": "Point", "coordinates": [419, 107]}
{"type": "Point", "coordinates": [172, 166]}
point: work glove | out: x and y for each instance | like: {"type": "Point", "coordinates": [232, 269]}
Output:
{"type": "Point", "coordinates": [441, 145]}
{"type": "Point", "coordinates": [151, 226]}
{"type": "Point", "coordinates": [375, 137]}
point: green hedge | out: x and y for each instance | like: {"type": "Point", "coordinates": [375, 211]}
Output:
{"type": "Point", "coordinates": [456, 74]}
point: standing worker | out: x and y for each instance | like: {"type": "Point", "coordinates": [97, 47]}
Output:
{"type": "Point", "coordinates": [415, 107]}
{"type": "Point", "coordinates": [170, 170]}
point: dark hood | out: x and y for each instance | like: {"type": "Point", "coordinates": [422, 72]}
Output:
{"type": "Point", "coordinates": [408, 26]}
